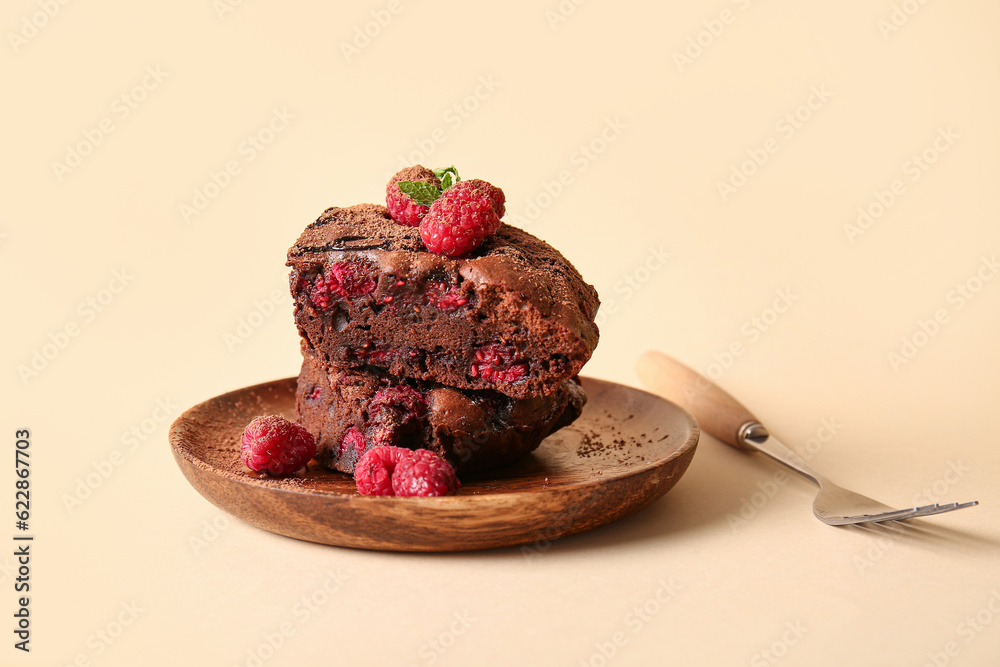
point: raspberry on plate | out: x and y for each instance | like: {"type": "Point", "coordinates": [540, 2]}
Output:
{"type": "Point", "coordinates": [373, 474]}
{"type": "Point", "coordinates": [402, 207]}
{"type": "Point", "coordinates": [424, 473]}
{"type": "Point", "coordinates": [462, 218]}
{"type": "Point", "coordinates": [275, 445]}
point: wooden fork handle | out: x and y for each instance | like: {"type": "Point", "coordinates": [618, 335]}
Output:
{"type": "Point", "coordinates": [717, 412]}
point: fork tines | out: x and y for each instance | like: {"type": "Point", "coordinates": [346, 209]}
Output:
{"type": "Point", "coordinates": [926, 510]}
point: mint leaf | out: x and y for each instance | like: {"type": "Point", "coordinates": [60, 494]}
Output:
{"type": "Point", "coordinates": [448, 175]}
{"type": "Point", "coordinates": [422, 193]}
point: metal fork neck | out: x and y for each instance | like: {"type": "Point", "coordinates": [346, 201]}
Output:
{"type": "Point", "coordinates": [755, 432]}
{"type": "Point", "coordinates": [753, 435]}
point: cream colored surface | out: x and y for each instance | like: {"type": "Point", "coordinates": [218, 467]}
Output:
{"type": "Point", "coordinates": [772, 287]}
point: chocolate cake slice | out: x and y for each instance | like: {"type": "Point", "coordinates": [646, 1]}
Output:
{"type": "Point", "coordinates": [514, 316]}
{"type": "Point", "coordinates": [349, 411]}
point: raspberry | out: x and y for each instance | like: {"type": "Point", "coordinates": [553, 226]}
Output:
{"type": "Point", "coordinates": [424, 473]}
{"type": "Point", "coordinates": [498, 363]}
{"type": "Point", "coordinates": [384, 435]}
{"type": "Point", "coordinates": [447, 298]}
{"type": "Point", "coordinates": [370, 353]}
{"type": "Point", "coordinates": [495, 194]}
{"type": "Point", "coordinates": [347, 280]}
{"type": "Point", "coordinates": [352, 440]}
{"type": "Point", "coordinates": [400, 403]}
{"type": "Point", "coordinates": [276, 445]}
{"type": "Point", "coordinates": [460, 219]}
{"type": "Point", "coordinates": [373, 474]}
{"type": "Point", "coordinates": [314, 395]}
{"type": "Point", "coordinates": [401, 207]}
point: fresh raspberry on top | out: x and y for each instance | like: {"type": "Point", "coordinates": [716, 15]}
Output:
{"type": "Point", "coordinates": [275, 445]}
{"type": "Point", "coordinates": [373, 474]}
{"type": "Point", "coordinates": [495, 194]}
{"type": "Point", "coordinates": [424, 473]}
{"type": "Point", "coordinates": [460, 219]}
{"type": "Point", "coordinates": [401, 206]}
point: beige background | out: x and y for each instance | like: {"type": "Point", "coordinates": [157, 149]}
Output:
{"type": "Point", "coordinates": [642, 109]}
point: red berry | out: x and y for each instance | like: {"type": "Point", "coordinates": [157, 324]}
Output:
{"type": "Point", "coordinates": [400, 403]}
{"type": "Point", "coordinates": [373, 474]}
{"type": "Point", "coordinates": [495, 194]}
{"type": "Point", "coordinates": [498, 363]}
{"type": "Point", "coordinates": [370, 353]}
{"type": "Point", "coordinates": [401, 207]}
{"type": "Point", "coordinates": [447, 298]}
{"type": "Point", "coordinates": [385, 435]}
{"type": "Point", "coordinates": [460, 219]}
{"type": "Point", "coordinates": [346, 280]}
{"type": "Point", "coordinates": [352, 440]}
{"type": "Point", "coordinates": [424, 473]}
{"type": "Point", "coordinates": [276, 445]}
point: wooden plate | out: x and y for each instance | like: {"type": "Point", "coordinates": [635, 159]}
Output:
{"type": "Point", "coordinates": [627, 449]}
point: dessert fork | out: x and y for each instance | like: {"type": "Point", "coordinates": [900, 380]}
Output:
{"type": "Point", "coordinates": [724, 417]}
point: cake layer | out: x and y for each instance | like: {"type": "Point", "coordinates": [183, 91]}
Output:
{"type": "Point", "coordinates": [514, 316]}
{"type": "Point", "coordinates": [351, 410]}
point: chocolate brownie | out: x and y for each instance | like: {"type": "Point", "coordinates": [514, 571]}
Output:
{"type": "Point", "coordinates": [349, 411]}
{"type": "Point", "coordinates": [514, 316]}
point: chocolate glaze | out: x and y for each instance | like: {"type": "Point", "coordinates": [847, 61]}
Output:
{"type": "Point", "coordinates": [519, 292]}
